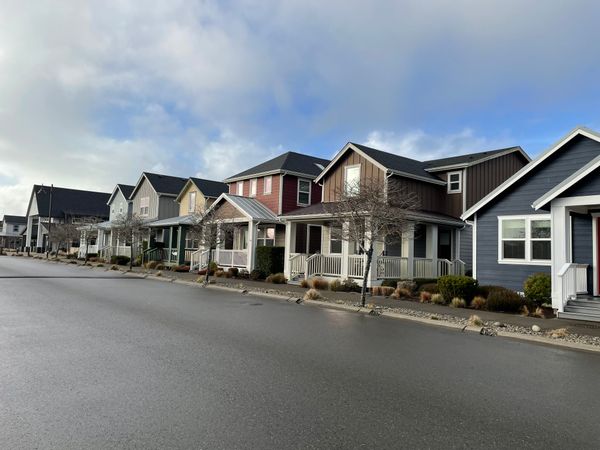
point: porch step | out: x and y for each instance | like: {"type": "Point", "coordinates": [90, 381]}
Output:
{"type": "Point", "coordinates": [584, 303]}
{"type": "Point", "coordinates": [582, 308]}
{"type": "Point", "coordinates": [579, 316]}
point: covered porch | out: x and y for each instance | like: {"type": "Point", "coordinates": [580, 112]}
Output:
{"type": "Point", "coordinates": [313, 248]}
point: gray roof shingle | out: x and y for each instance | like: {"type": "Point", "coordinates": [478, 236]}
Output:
{"type": "Point", "coordinates": [289, 161]}
{"type": "Point", "coordinates": [165, 184]}
{"type": "Point", "coordinates": [468, 158]}
{"type": "Point", "coordinates": [71, 202]}
{"type": "Point", "coordinates": [14, 219]}
{"type": "Point", "coordinates": [210, 188]}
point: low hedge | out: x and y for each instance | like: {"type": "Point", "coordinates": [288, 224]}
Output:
{"type": "Point", "coordinates": [460, 286]}
{"type": "Point", "coordinates": [505, 300]}
{"type": "Point", "coordinates": [538, 289]}
{"type": "Point", "coordinates": [269, 259]}
{"type": "Point", "coordinates": [121, 260]}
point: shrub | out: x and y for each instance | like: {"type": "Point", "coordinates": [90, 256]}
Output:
{"type": "Point", "coordinates": [336, 286]}
{"type": "Point", "coordinates": [438, 299]}
{"type": "Point", "coordinates": [159, 274]}
{"type": "Point", "coordinates": [410, 285]}
{"type": "Point", "coordinates": [233, 271]}
{"type": "Point", "coordinates": [151, 264]}
{"type": "Point", "coordinates": [257, 275]}
{"type": "Point", "coordinates": [390, 282]}
{"type": "Point", "coordinates": [559, 333]}
{"type": "Point", "coordinates": [460, 286]}
{"type": "Point", "coordinates": [458, 303]}
{"type": "Point", "coordinates": [319, 283]}
{"type": "Point", "coordinates": [349, 285]}
{"type": "Point", "coordinates": [312, 294]}
{"type": "Point", "coordinates": [160, 267]}
{"type": "Point", "coordinates": [401, 293]}
{"type": "Point", "coordinates": [269, 259]}
{"type": "Point", "coordinates": [100, 265]}
{"type": "Point", "coordinates": [305, 283]}
{"type": "Point", "coordinates": [538, 288]}
{"type": "Point", "coordinates": [475, 321]}
{"type": "Point", "coordinates": [220, 273]}
{"type": "Point", "coordinates": [182, 268]}
{"type": "Point", "coordinates": [430, 287]}
{"type": "Point", "coordinates": [243, 274]}
{"type": "Point", "coordinates": [113, 267]}
{"type": "Point", "coordinates": [425, 296]}
{"type": "Point", "coordinates": [421, 281]}
{"type": "Point", "coordinates": [484, 291]}
{"type": "Point", "coordinates": [277, 278]}
{"type": "Point", "coordinates": [478, 302]}
{"type": "Point", "coordinates": [504, 300]}
{"type": "Point", "coordinates": [120, 260]}
{"type": "Point", "coordinates": [387, 291]}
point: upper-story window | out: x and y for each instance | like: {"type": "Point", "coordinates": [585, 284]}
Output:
{"type": "Point", "coordinates": [192, 202]}
{"type": "Point", "coordinates": [15, 228]}
{"type": "Point", "coordinates": [266, 237]}
{"type": "Point", "coordinates": [524, 239]}
{"type": "Point", "coordinates": [454, 182]}
{"type": "Point", "coordinates": [352, 179]}
{"type": "Point", "coordinates": [253, 183]}
{"type": "Point", "coordinates": [268, 185]}
{"type": "Point", "coordinates": [144, 206]}
{"type": "Point", "coordinates": [240, 188]}
{"type": "Point", "coordinates": [303, 192]}
{"type": "Point", "coordinates": [120, 207]}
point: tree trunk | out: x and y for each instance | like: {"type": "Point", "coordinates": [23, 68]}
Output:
{"type": "Point", "coordinates": [363, 292]}
{"type": "Point", "coordinates": [209, 262]}
{"type": "Point", "coordinates": [131, 254]}
{"type": "Point", "coordinates": [87, 248]}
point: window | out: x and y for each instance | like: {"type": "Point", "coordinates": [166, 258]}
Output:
{"type": "Point", "coordinates": [268, 184]}
{"type": "Point", "coordinates": [120, 207]}
{"type": "Point", "coordinates": [266, 237]}
{"type": "Point", "coordinates": [454, 182]}
{"type": "Point", "coordinates": [352, 179]}
{"type": "Point", "coordinates": [192, 243]}
{"type": "Point", "coordinates": [303, 192]}
{"type": "Point", "coordinates": [335, 240]}
{"type": "Point", "coordinates": [15, 228]}
{"type": "Point", "coordinates": [240, 188]}
{"type": "Point", "coordinates": [144, 206]}
{"type": "Point", "coordinates": [253, 183]}
{"type": "Point", "coordinates": [525, 239]}
{"type": "Point", "coordinates": [192, 202]}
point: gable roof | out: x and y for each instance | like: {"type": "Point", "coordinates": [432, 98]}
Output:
{"type": "Point", "coordinates": [209, 188]}
{"type": "Point", "coordinates": [126, 190]}
{"type": "Point", "coordinates": [162, 184]}
{"type": "Point", "coordinates": [290, 162]}
{"type": "Point", "coordinates": [388, 162]}
{"type": "Point", "coordinates": [471, 159]}
{"type": "Point", "coordinates": [14, 219]}
{"type": "Point", "coordinates": [249, 207]}
{"type": "Point", "coordinates": [578, 131]}
{"type": "Point", "coordinates": [67, 201]}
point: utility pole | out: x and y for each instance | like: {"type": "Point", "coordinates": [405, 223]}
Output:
{"type": "Point", "coordinates": [49, 221]}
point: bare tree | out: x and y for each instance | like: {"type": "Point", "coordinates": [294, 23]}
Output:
{"type": "Point", "coordinates": [91, 232]}
{"type": "Point", "coordinates": [371, 212]}
{"type": "Point", "coordinates": [210, 231]}
{"type": "Point", "coordinates": [63, 234]}
{"type": "Point", "coordinates": [130, 229]}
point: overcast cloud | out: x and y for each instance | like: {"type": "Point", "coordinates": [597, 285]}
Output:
{"type": "Point", "coordinates": [92, 93]}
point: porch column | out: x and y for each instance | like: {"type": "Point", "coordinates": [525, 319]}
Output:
{"type": "Point", "coordinates": [170, 244]}
{"type": "Point", "coordinates": [252, 234]}
{"type": "Point", "coordinates": [377, 250]}
{"type": "Point", "coordinates": [431, 248]}
{"type": "Point", "coordinates": [408, 249]}
{"type": "Point", "coordinates": [345, 252]}
{"type": "Point", "coordinates": [560, 251]}
{"type": "Point", "coordinates": [290, 229]}
{"type": "Point", "coordinates": [181, 232]}
{"type": "Point", "coordinates": [28, 233]}
{"type": "Point", "coordinates": [40, 234]}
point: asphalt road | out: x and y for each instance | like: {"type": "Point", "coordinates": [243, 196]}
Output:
{"type": "Point", "coordinates": [115, 362]}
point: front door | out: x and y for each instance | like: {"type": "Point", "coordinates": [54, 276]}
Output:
{"type": "Point", "coordinates": [314, 239]}
{"type": "Point", "coordinates": [445, 244]}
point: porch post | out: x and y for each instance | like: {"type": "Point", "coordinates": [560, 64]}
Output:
{"type": "Point", "coordinates": [288, 249]}
{"type": "Point", "coordinates": [409, 243]}
{"type": "Point", "coordinates": [252, 232]}
{"type": "Point", "coordinates": [170, 243]}
{"type": "Point", "coordinates": [561, 231]}
{"type": "Point", "coordinates": [28, 234]}
{"type": "Point", "coordinates": [40, 235]}
{"type": "Point", "coordinates": [181, 233]}
{"type": "Point", "coordinates": [431, 248]}
{"type": "Point", "coordinates": [345, 253]}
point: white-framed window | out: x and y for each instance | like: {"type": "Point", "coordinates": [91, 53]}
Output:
{"type": "Point", "coordinates": [192, 202]}
{"type": "Point", "coordinates": [303, 192]}
{"type": "Point", "coordinates": [144, 206]}
{"type": "Point", "coordinates": [524, 239]}
{"type": "Point", "coordinates": [192, 243]}
{"type": "Point", "coordinates": [454, 182]}
{"type": "Point", "coordinates": [15, 228]}
{"type": "Point", "coordinates": [253, 184]}
{"type": "Point", "coordinates": [352, 179]}
{"type": "Point", "coordinates": [335, 240]}
{"type": "Point", "coordinates": [268, 184]}
{"type": "Point", "coordinates": [266, 236]}
{"type": "Point", "coordinates": [112, 210]}
{"type": "Point", "coordinates": [240, 188]}
{"type": "Point", "coordinates": [120, 207]}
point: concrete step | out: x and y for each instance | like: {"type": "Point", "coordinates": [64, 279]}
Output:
{"type": "Point", "coordinates": [582, 310]}
{"type": "Point", "coordinates": [579, 316]}
{"type": "Point", "coordinates": [585, 303]}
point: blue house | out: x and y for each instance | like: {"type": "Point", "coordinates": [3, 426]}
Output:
{"type": "Point", "coordinates": [545, 219]}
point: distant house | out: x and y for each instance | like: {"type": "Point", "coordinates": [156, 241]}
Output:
{"type": "Point", "coordinates": [174, 246]}
{"type": "Point", "coordinates": [546, 218]}
{"type": "Point", "coordinates": [49, 204]}
{"type": "Point", "coordinates": [11, 231]}
{"type": "Point", "coordinates": [255, 199]}
{"type": "Point", "coordinates": [440, 243]}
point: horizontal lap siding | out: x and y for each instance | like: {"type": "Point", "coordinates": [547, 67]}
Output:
{"type": "Point", "coordinates": [518, 200]}
{"type": "Point", "coordinates": [582, 244]}
{"type": "Point", "coordinates": [466, 246]}
{"type": "Point", "coordinates": [334, 180]}
{"type": "Point", "coordinates": [590, 185]}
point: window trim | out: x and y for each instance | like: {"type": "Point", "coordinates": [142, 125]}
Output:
{"type": "Point", "coordinates": [253, 188]}
{"type": "Point", "coordinates": [144, 206]}
{"type": "Point", "coordinates": [304, 192]}
{"type": "Point", "coordinates": [192, 204]}
{"type": "Point", "coordinates": [270, 191]}
{"type": "Point", "coordinates": [351, 166]}
{"type": "Point", "coordinates": [338, 239]}
{"type": "Point", "coordinates": [239, 184]}
{"type": "Point", "coordinates": [460, 182]}
{"type": "Point", "coordinates": [527, 261]}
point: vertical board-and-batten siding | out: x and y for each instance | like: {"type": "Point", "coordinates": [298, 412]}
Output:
{"type": "Point", "coordinates": [517, 200]}
{"type": "Point", "coordinates": [484, 177]}
{"type": "Point", "coordinates": [167, 207]}
{"type": "Point", "coordinates": [117, 200]}
{"type": "Point", "coordinates": [146, 190]}
{"type": "Point", "coordinates": [334, 180]}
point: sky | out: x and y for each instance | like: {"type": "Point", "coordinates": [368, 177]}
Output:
{"type": "Point", "coordinates": [93, 93]}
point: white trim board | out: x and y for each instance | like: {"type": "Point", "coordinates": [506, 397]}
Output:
{"type": "Point", "coordinates": [579, 131]}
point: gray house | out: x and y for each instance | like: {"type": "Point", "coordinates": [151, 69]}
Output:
{"type": "Point", "coordinates": [11, 231]}
{"type": "Point", "coordinates": [545, 219]}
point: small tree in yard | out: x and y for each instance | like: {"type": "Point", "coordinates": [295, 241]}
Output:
{"type": "Point", "coordinates": [371, 212]}
{"type": "Point", "coordinates": [130, 229]}
{"type": "Point", "coordinates": [210, 231]}
{"type": "Point", "coordinates": [63, 233]}
{"type": "Point", "coordinates": [91, 232]}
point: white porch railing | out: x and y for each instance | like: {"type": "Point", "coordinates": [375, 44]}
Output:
{"type": "Point", "coordinates": [573, 280]}
{"type": "Point", "coordinates": [423, 268]}
{"type": "Point", "coordinates": [395, 267]}
{"type": "Point", "coordinates": [324, 265]}
{"type": "Point", "coordinates": [297, 264]}
{"type": "Point", "coordinates": [231, 258]}
{"type": "Point", "coordinates": [356, 266]}
{"type": "Point", "coordinates": [198, 260]}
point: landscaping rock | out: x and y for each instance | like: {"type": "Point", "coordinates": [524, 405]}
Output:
{"type": "Point", "coordinates": [488, 332]}
{"type": "Point", "coordinates": [499, 324]}
{"type": "Point", "coordinates": [536, 328]}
